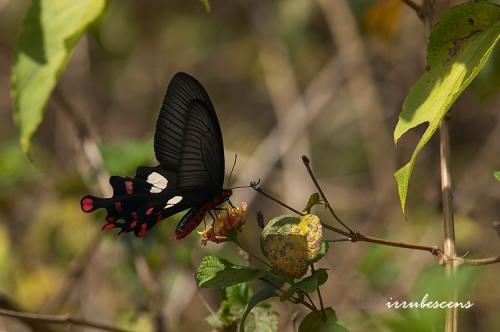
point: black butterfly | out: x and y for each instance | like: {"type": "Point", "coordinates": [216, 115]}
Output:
{"type": "Point", "coordinates": [188, 145]}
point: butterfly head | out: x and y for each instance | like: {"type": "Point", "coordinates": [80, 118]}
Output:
{"type": "Point", "coordinates": [226, 193]}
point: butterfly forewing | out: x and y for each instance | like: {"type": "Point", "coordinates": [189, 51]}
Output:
{"type": "Point", "coordinates": [187, 121]}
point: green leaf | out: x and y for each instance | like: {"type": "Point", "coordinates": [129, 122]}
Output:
{"type": "Point", "coordinates": [307, 285]}
{"type": "Point", "coordinates": [49, 33]}
{"type": "Point", "coordinates": [260, 296]}
{"type": "Point", "coordinates": [239, 294]}
{"type": "Point", "coordinates": [215, 272]}
{"type": "Point", "coordinates": [314, 199]}
{"type": "Point", "coordinates": [325, 246]}
{"type": "Point", "coordinates": [262, 320]}
{"type": "Point", "coordinates": [459, 45]}
{"type": "Point", "coordinates": [312, 323]}
{"type": "Point", "coordinates": [497, 175]}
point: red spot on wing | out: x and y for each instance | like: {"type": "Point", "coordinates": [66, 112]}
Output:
{"type": "Point", "coordinates": [149, 211]}
{"type": "Point", "coordinates": [143, 231]}
{"type": "Point", "coordinates": [87, 204]}
{"type": "Point", "coordinates": [129, 187]}
{"type": "Point", "coordinates": [133, 224]}
{"type": "Point", "coordinates": [108, 226]}
{"type": "Point", "coordinates": [118, 206]}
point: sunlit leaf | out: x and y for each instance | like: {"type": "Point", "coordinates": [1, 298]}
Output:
{"type": "Point", "coordinates": [49, 33]}
{"type": "Point", "coordinates": [314, 199]}
{"type": "Point", "coordinates": [239, 294]}
{"type": "Point", "coordinates": [459, 45]}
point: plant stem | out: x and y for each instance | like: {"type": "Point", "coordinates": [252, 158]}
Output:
{"type": "Point", "coordinates": [305, 160]}
{"type": "Point", "coordinates": [319, 296]}
{"type": "Point", "coordinates": [58, 319]}
{"type": "Point", "coordinates": [448, 222]}
{"type": "Point", "coordinates": [260, 191]}
{"type": "Point", "coordinates": [312, 307]}
{"type": "Point", "coordinates": [356, 236]}
{"type": "Point", "coordinates": [479, 261]}
{"type": "Point", "coordinates": [250, 253]}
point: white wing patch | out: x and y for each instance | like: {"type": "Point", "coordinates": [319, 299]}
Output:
{"type": "Point", "coordinates": [158, 182]}
{"type": "Point", "coordinates": [171, 202]}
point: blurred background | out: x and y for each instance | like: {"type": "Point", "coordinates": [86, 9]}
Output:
{"type": "Point", "coordinates": [325, 79]}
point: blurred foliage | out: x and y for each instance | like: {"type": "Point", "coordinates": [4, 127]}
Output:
{"type": "Point", "coordinates": [124, 157]}
{"type": "Point", "coordinates": [42, 52]}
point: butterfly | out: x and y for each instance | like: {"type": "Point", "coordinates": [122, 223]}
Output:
{"type": "Point", "coordinates": [189, 148]}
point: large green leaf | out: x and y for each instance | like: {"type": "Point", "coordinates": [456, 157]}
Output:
{"type": "Point", "coordinates": [260, 296]}
{"type": "Point", "coordinates": [459, 45]}
{"type": "Point", "coordinates": [215, 272]}
{"type": "Point", "coordinates": [312, 323]}
{"type": "Point", "coordinates": [50, 31]}
{"type": "Point", "coordinates": [307, 285]}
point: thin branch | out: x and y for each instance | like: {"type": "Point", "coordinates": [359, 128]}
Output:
{"type": "Point", "coordinates": [7, 304]}
{"type": "Point", "coordinates": [357, 236]}
{"type": "Point", "coordinates": [292, 299]}
{"type": "Point", "coordinates": [75, 271]}
{"type": "Point", "coordinates": [206, 304]}
{"type": "Point", "coordinates": [451, 319]}
{"type": "Point", "coordinates": [282, 86]}
{"type": "Point", "coordinates": [261, 191]}
{"type": "Point", "coordinates": [357, 71]}
{"type": "Point", "coordinates": [479, 261]}
{"type": "Point", "coordinates": [496, 225]}
{"type": "Point", "coordinates": [305, 160]}
{"type": "Point", "coordinates": [345, 239]}
{"type": "Point", "coordinates": [86, 146]}
{"type": "Point", "coordinates": [293, 125]}
{"type": "Point", "coordinates": [415, 7]}
{"type": "Point", "coordinates": [58, 319]}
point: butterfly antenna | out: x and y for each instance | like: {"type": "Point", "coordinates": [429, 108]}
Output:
{"type": "Point", "coordinates": [253, 184]}
{"type": "Point", "coordinates": [232, 169]}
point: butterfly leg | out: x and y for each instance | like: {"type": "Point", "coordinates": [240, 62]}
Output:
{"type": "Point", "coordinates": [213, 218]}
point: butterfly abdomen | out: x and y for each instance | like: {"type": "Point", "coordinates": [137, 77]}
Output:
{"type": "Point", "coordinates": [195, 216]}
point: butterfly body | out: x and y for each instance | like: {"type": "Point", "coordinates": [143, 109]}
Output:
{"type": "Point", "coordinates": [196, 215]}
{"type": "Point", "coordinates": [189, 148]}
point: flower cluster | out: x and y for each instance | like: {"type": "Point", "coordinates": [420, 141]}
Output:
{"type": "Point", "coordinates": [227, 221]}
